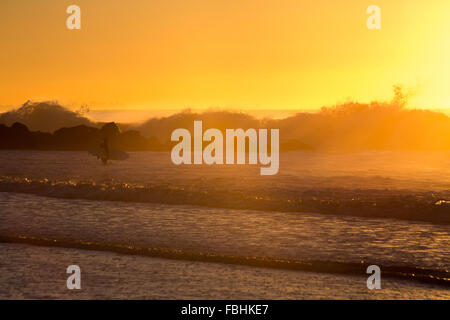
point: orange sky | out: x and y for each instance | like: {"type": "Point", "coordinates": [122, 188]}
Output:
{"type": "Point", "coordinates": [243, 54]}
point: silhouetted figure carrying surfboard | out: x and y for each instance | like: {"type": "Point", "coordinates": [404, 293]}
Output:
{"type": "Point", "coordinates": [106, 154]}
{"type": "Point", "coordinates": [105, 151]}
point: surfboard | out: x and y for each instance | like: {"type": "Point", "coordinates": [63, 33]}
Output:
{"type": "Point", "coordinates": [113, 154]}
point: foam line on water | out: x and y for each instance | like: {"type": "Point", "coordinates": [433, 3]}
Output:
{"type": "Point", "coordinates": [440, 277]}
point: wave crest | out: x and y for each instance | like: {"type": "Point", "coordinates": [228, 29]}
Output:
{"type": "Point", "coordinates": [407, 205]}
{"type": "Point", "coordinates": [440, 277]}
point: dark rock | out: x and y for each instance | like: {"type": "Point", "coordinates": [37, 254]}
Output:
{"type": "Point", "coordinates": [80, 137]}
{"type": "Point", "coordinates": [110, 130]}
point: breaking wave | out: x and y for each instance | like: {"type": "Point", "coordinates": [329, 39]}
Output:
{"type": "Point", "coordinates": [440, 277]}
{"type": "Point", "coordinates": [400, 204]}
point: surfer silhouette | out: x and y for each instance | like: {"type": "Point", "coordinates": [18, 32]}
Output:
{"type": "Point", "coordinates": [105, 151]}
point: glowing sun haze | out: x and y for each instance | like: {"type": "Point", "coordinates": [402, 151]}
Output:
{"type": "Point", "coordinates": [243, 54]}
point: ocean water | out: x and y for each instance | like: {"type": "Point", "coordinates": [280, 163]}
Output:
{"type": "Point", "coordinates": [144, 228]}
